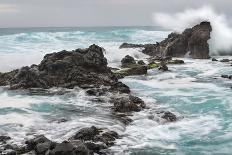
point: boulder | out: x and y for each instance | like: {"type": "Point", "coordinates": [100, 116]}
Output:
{"type": "Point", "coordinates": [141, 62]}
{"type": "Point", "coordinates": [128, 104]}
{"type": "Point", "coordinates": [193, 41]}
{"type": "Point", "coordinates": [81, 67]}
{"type": "Point", "coordinates": [128, 61]}
{"type": "Point", "coordinates": [86, 133]}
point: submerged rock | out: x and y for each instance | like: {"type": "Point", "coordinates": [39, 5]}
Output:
{"type": "Point", "coordinates": [193, 40]}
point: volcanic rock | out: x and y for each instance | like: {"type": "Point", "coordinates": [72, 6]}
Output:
{"type": "Point", "coordinates": [193, 41]}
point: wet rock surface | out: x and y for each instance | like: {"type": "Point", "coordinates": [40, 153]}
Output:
{"type": "Point", "coordinates": [86, 141]}
{"type": "Point", "coordinates": [128, 61]}
{"type": "Point", "coordinates": [128, 104]}
{"type": "Point", "coordinates": [193, 40]}
{"type": "Point", "coordinates": [81, 67]}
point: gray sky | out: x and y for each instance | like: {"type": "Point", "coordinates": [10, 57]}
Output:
{"type": "Point", "coordinates": [37, 13]}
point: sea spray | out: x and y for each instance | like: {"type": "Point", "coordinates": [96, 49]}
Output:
{"type": "Point", "coordinates": [221, 39]}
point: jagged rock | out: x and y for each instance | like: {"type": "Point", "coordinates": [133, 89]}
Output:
{"type": "Point", "coordinates": [120, 87]}
{"type": "Point", "coordinates": [31, 144]}
{"type": "Point", "coordinates": [128, 104]}
{"type": "Point", "coordinates": [81, 67]}
{"type": "Point", "coordinates": [141, 62]}
{"type": "Point", "coordinates": [92, 136]}
{"type": "Point", "coordinates": [128, 61]}
{"type": "Point", "coordinates": [170, 117]}
{"type": "Point", "coordinates": [193, 40]}
{"type": "Point", "coordinates": [86, 133]}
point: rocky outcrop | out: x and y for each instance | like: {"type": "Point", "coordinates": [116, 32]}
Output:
{"type": "Point", "coordinates": [86, 141]}
{"type": "Point", "coordinates": [193, 41]}
{"type": "Point", "coordinates": [128, 104]}
{"type": "Point", "coordinates": [82, 67]}
{"type": "Point", "coordinates": [128, 61]}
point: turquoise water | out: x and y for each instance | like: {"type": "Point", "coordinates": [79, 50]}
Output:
{"type": "Point", "coordinates": [195, 92]}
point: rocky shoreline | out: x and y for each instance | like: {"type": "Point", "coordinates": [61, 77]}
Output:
{"type": "Point", "coordinates": [88, 69]}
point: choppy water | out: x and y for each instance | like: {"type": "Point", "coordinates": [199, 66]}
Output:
{"type": "Point", "coordinates": [193, 91]}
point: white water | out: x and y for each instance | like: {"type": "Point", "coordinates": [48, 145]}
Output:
{"type": "Point", "coordinates": [221, 37]}
{"type": "Point", "coordinates": [194, 92]}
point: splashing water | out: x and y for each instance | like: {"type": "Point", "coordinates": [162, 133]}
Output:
{"type": "Point", "coordinates": [221, 38]}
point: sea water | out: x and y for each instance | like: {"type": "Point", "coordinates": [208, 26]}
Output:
{"type": "Point", "coordinates": [194, 91]}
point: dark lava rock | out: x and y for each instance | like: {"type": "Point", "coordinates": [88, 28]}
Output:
{"type": "Point", "coordinates": [86, 133]}
{"type": "Point", "coordinates": [67, 69]}
{"type": "Point", "coordinates": [141, 62]}
{"type": "Point", "coordinates": [95, 139]}
{"type": "Point", "coordinates": [128, 61]}
{"type": "Point", "coordinates": [31, 144]}
{"type": "Point", "coordinates": [128, 104]}
{"type": "Point", "coordinates": [214, 59]}
{"type": "Point", "coordinates": [168, 116]}
{"type": "Point", "coordinates": [193, 39]}
{"type": "Point", "coordinates": [4, 138]}
{"type": "Point", "coordinates": [120, 87]}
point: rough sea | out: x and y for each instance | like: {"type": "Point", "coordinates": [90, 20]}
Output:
{"type": "Point", "coordinates": [194, 91]}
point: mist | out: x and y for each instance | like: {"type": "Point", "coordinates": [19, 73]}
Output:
{"type": "Point", "coordinates": [221, 36]}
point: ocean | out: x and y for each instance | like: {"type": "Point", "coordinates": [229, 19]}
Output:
{"type": "Point", "coordinates": [194, 91]}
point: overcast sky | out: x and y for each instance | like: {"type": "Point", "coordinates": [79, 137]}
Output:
{"type": "Point", "coordinates": [49, 13]}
